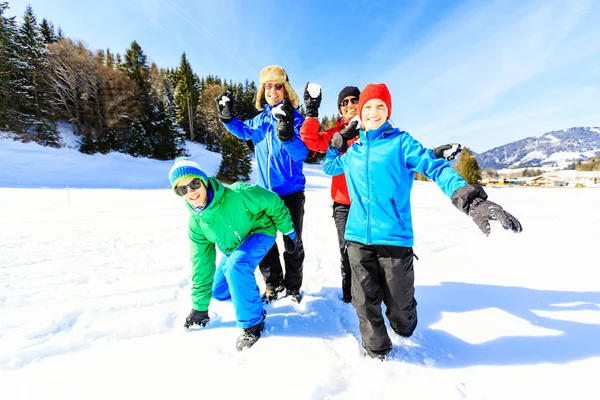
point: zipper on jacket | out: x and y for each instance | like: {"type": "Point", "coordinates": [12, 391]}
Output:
{"type": "Point", "coordinates": [368, 197]}
{"type": "Point", "coordinates": [290, 158]}
{"type": "Point", "coordinates": [269, 151]}
{"type": "Point", "coordinates": [397, 213]}
{"type": "Point", "coordinates": [238, 236]}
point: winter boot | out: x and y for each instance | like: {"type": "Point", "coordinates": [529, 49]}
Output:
{"type": "Point", "coordinates": [250, 335]}
{"type": "Point", "coordinates": [272, 294]}
{"type": "Point", "coordinates": [296, 295]}
{"type": "Point", "coordinates": [380, 357]}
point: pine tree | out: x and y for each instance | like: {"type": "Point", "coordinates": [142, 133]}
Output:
{"type": "Point", "coordinates": [186, 97]}
{"type": "Point", "coordinates": [210, 126]}
{"type": "Point", "coordinates": [468, 167]}
{"type": "Point", "coordinates": [9, 114]}
{"type": "Point", "coordinates": [32, 90]}
{"type": "Point", "coordinates": [47, 31]}
{"type": "Point", "coordinates": [236, 162]}
{"type": "Point", "coordinates": [136, 65]}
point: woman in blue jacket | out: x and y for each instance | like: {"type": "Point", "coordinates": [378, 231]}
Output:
{"type": "Point", "coordinates": [379, 172]}
{"type": "Point", "coordinates": [280, 154]}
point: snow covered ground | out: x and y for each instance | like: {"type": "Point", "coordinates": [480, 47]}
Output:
{"type": "Point", "coordinates": [94, 290]}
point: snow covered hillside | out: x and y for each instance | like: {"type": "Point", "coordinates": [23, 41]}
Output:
{"type": "Point", "coordinates": [94, 290]}
{"type": "Point", "coordinates": [556, 149]}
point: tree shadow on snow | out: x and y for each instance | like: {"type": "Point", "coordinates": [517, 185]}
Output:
{"type": "Point", "coordinates": [575, 341]}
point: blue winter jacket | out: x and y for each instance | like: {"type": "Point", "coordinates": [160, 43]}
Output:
{"type": "Point", "coordinates": [279, 164]}
{"type": "Point", "coordinates": [379, 171]}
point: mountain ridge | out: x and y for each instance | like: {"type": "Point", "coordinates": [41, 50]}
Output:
{"type": "Point", "coordinates": [555, 149]}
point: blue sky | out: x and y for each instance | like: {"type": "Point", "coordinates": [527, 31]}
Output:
{"type": "Point", "coordinates": [483, 73]}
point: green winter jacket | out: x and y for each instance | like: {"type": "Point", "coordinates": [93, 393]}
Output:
{"type": "Point", "coordinates": [236, 212]}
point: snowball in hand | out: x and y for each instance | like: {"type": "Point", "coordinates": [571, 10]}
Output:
{"type": "Point", "coordinates": [314, 89]}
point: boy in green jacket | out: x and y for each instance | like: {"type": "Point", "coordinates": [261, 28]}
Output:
{"type": "Point", "coordinates": [242, 220]}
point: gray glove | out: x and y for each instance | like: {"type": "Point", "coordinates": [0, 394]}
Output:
{"type": "Point", "coordinates": [472, 200]}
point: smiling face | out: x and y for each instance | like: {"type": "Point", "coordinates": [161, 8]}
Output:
{"type": "Point", "coordinates": [196, 197]}
{"type": "Point", "coordinates": [374, 114]}
{"type": "Point", "coordinates": [350, 109]}
{"type": "Point", "coordinates": [274, 96]}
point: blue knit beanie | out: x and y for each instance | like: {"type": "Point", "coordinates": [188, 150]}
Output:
{"type": "Point", "coordinates": [184, 168]}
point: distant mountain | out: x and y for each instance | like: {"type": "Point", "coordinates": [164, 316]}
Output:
{"type": "Point", "coordinates": [552, 149]}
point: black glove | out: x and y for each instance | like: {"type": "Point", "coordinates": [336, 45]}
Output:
{"type": "Point", "coordinates": [289, 242]}
{"type": "Point", "coordinates": [284, 114]}
{"type": "Point", "coordinates": [340, 139]}
{"type": "Point", "coordinates": [311, 104]}
{"type": "Point", "coordinates": [225, 103]}
{"type": "Point", "coordinates": [448, 151]}
{"type": "Point", "coordinates": [199, 318]}
{"type": "Point", "coordinates": [472, 200]}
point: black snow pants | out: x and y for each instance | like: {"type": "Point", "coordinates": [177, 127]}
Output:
{"type": "Point", "coordinates": [270, 266]}
{"type": "Point", "coordinates": [382, 273]}
{"type": "Point", "coordinates": [340, 216]}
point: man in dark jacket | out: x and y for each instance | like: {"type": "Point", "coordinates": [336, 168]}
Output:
{"type": "Point", "coordinates": [280, 154]}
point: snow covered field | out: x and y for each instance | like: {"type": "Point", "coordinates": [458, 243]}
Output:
{"type": "Point", "coordinates": [94, 290]}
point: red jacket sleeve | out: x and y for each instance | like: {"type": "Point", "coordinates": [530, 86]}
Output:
{"type": "Point", "coordinates": [313, 139]}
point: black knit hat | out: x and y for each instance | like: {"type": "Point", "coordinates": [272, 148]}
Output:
{"type": "Point", "coordinates": [348, 91]}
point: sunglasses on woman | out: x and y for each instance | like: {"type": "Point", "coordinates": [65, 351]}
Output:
{"type": "Point", "coordinates": [193, 185]}
{"type": "Point", "coordinates": [277, 86]}
{"type": "Point", "coordinates": [345, 102]}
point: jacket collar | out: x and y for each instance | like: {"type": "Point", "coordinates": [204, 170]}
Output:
{"type": "Point", "coordinates": [375, 134]}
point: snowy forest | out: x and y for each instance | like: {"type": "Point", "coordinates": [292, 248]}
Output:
{"type": "Point", "coordinates": [113, 101]}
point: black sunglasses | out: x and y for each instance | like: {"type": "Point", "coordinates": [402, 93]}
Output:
{"type": "Point", "coordinates": [183, 189]}
{"type": "Point", "coordinates": [277, 86]}
{"type": "Point", "coordinates": [345, 102]}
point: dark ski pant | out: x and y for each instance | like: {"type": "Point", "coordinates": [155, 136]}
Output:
{"type": "Point", "coordinates": [234, 279]}
{"type": "Point", "coordinates": [382, 273]}
{"type": "Point", "coordinates": [340, 216]}
{"type": "Point", "coordinates": [270, 266]}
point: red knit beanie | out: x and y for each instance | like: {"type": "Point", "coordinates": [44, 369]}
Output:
{"type": "Point", "coordinates": [375, 91]}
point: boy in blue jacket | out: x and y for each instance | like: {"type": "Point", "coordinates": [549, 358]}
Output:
{"type": "Point", "coordinates": [379, 172]}
{"type": "Point", "coordinates": [280, 154]}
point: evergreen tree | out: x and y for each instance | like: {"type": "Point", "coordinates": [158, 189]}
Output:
{"type": "Point", "coordinates": [236, 163]}
{"type": "Point", "coordinates": [32, 91]}
{"type": "Point", "coordinates": [156, 134]}
{"type": "Point", "coordinates": [468, 167]}
{"type": "Point", "coordinates": [47, 31]}
{"type": "Point", "coordinates": [169, 138]}
{"type": "Point", "coordinates": [109, 59]}
{"type": "Point", "coordinates": [9, 114]}
{"type": "Point", "coordinates": [136, 65]}
{"type": "Point", "coordinates": [210, 126]}
{"type": "Point", "coordinates": [186, 97]}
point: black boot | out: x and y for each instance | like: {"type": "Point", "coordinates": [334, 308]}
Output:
{"type": "Point", "coordinates": [272, 294]}
{"type": "Point", "coordinates": [250, 335]}
{"type": "Point", "coordinates": [296, 295]}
